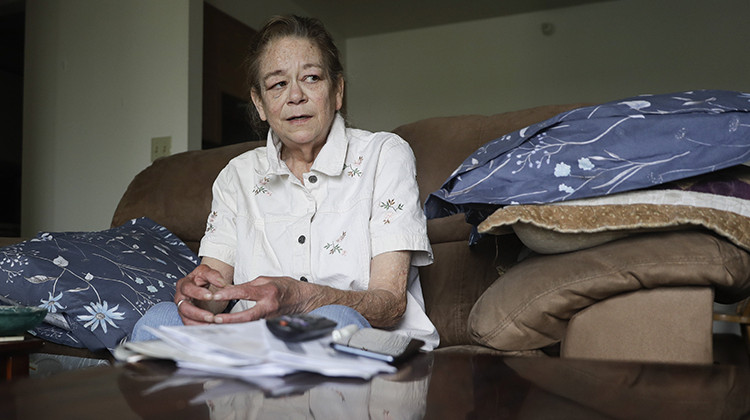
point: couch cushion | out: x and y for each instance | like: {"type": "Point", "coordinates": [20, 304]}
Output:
{"type": "Point", "coordinates": [663, 325]}
{"type": "Point", "coordinates": [448, 294]}
{"type": "Point", "coordinates": [530, 305]}
{"type": "Point", "coordinates": [460, 275]}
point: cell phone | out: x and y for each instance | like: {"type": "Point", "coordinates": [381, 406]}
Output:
{"type": "Point", "coordinates": [377, 344]}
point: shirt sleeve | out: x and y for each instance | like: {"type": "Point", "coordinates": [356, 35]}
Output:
{"type": "Point", "coordinates": [398, 222]}
{"type": "Point", "coordinates": [220, 239]}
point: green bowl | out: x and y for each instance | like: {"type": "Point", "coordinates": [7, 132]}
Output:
{"type": "Point", "coordinates": [15, 320]}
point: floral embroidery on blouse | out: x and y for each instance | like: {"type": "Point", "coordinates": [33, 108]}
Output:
{"type": "Point", "coordinates": [335, 246]}
{"type": "Point", "coordinates": [352, 169]}
{"type": "Point", "coordinates": [391, 207]}
{"type": "Point", "coordinates": [260, 187]}
{"type": "Point", "coordinates": [210, 227]}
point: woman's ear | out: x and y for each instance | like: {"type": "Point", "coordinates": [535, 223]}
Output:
{"type": "Point", "coordinates": [258, 102]}
{"type": "Point", "coordinates": [339, 93]}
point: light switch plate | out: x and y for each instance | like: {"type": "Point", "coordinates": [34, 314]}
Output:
{"type": "Point", "coordinates": [160, 147]}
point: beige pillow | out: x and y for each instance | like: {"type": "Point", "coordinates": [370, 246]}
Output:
{"type": "Point", "coordinates": [579, 224]}
{"type": "Point", "coordinates": [529, 306]}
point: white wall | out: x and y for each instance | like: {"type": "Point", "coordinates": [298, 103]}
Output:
{"type": "Point", "coordinates": [102, 78]}
{"type": "Point", "coordinates": [599, 52]}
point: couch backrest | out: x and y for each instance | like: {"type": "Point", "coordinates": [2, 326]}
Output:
{"type": "Point", "coordinates": [176, 192]}
{"type": "Point", "coordinates": [441, 144]}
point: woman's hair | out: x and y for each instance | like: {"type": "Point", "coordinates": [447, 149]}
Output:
{"type": "Point", "coordinates": [289, 26]}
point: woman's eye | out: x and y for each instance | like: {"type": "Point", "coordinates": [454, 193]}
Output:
{"type": "Point", "coordinates": [277, 85]}
{"type": "Point", "coordinates": [312, 78]}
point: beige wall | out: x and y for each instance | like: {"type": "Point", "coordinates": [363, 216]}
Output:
{"type": "Point", "coordinates": [599, 52]}
{"type": "Point", "coordinates": [102, 78]}
{"type": "Point", "coordinates": [105, 76]}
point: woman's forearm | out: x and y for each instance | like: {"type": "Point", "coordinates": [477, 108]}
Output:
{"type": "Point", "coordinates": [382, 308]}
{"type": "Point", "coordinates": [383, 304]}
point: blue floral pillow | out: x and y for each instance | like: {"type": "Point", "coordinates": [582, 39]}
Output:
{"type": "Point", "coordinates": [624, 145]}
{"type": "Point", "coordinates": [95, 285]}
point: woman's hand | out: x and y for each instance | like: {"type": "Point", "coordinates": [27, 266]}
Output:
{"type": "Point", "coordinates": [273, 296]}
{"type": "Point", "coordinates": [382, 304]}
{"type": "Point", "coordinates": [194, 294]}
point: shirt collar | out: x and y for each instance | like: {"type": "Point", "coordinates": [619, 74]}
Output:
{"type": "Point", "coordinates": [330, 160]}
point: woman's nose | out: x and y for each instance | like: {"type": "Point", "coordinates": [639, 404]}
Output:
{"type": "Point", "coordinates": [296, 94]}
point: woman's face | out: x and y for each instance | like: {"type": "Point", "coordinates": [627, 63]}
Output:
{"type": "Point", "coordinates": [296, 98]}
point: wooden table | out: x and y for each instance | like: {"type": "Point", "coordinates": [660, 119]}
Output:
{"type": "Point", "coordinates": [14, 357]}
{"type": "Point", "coordinates": [440, 385]}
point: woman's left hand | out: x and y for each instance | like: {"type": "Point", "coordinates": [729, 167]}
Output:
{"type": "Point", "coordinates": [273, 296]}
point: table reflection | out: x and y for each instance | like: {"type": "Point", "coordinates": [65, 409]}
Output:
{"type": "Point", "coordinates": [151, 392]}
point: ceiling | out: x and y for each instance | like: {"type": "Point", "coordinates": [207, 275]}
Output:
{"type": "Point", "coordinates": [353, 18]}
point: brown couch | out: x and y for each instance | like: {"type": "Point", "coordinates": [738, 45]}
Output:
{"type": "Point", "coordinates": [638, 301]}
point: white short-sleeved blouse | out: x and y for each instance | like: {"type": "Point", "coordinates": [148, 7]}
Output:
{"type": "Point", "coordinates": [360, 199]}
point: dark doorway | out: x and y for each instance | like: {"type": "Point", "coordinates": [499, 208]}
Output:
{"type": "Point", "coordinates": [12, 23]}
{"type": "Point", "coordinates": [225, 98]}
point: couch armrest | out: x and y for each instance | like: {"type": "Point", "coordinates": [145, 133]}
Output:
{"type": "Point", "coordinates": [664, 325]}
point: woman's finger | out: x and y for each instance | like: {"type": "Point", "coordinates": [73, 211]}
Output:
{"type": "Point", "coordinates": [193, 315]}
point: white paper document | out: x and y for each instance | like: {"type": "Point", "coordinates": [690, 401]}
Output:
{"type": "Point", "coordinates": [248, 350]}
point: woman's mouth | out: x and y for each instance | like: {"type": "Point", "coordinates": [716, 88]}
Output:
{"type": "Point", "coordinates": [298, 118]}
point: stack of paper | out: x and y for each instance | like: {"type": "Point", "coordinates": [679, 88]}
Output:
{"type": "Point", "coordinates": [248, 350]}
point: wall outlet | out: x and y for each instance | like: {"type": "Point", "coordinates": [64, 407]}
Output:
{"type": "Point", "coordinates": [160, 147]}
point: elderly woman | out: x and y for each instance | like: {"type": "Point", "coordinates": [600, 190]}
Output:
{"type": "Point", "coordinates": [325, 219]}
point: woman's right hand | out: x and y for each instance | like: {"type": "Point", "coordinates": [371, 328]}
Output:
{"type": "Point", "coordinates": [194, 292]}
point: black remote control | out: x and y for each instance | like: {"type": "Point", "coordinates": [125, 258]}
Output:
{"type": "Point", "coordinates": [299, 327]}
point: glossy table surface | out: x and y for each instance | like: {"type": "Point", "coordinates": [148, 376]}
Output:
{"type": "Point", "coordinates": [14, 357]}
{"type": "Point", "coordinates": [440, 385]}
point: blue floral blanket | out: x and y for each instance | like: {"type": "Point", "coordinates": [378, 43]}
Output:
{"type": "Point", "coordinates": [623, 145]}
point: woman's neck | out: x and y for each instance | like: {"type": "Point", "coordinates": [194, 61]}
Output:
{"type": "Point", "coordinates": [299, 160]}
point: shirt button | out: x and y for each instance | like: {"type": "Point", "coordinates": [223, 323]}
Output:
{"type": "Point", "coordinates": [301, 239]}
{"type": "Point", "coordinates": [303, 278]}
{"type": "Point", "coordinates": [313, 179]}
